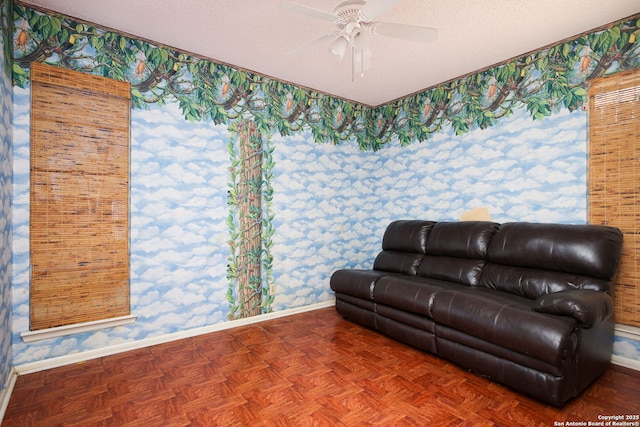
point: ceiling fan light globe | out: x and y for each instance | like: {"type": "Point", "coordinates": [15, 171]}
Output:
{"type": "Point", "coordinates": [339, 47]}
{"type": "Point", "coordinates": [362, 39]}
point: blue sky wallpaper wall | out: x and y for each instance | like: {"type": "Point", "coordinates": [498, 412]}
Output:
{"type": "Point", "coordinates": [6, 164]}
{"type": "Point", "coordinates": [325, 199]}
{"type": "Point", "coordinates": [178, 210]}
{"type": "Point", "coordinates": [520, 170]}
{"type": "Point", "coordinates": [334, 174]}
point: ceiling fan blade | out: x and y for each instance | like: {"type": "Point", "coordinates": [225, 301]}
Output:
{"type": "Point", "coordinates": [312, 43]}
{"type": "Point", "coordinates": [406, 32]}
{"type": "Point", "coordinates": [374, 8]}
{"type": "Point", "coordinates": [306, 10]}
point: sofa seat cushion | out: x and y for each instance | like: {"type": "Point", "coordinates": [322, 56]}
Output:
{"type": "Point", "coordinates": [357, 283]}
{"type": "Point", "coordinates": [412, 294]}
{"type": "Point", "coordinates": [507, 321]}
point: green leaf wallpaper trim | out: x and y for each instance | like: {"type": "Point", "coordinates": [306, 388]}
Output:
{"type": "Point", "coordinates": [543, 82]}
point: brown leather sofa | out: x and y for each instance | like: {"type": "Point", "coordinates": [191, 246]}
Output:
{"type": "Point", "coordinates": [525, 304]}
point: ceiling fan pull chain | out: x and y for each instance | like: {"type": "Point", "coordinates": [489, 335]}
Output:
{"type": "Point", "coordinates": [353, 64]}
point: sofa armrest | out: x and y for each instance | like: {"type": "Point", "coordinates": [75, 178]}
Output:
{"type": "Point", "coordinates": [357, 283]}
{"type": "Point", "coordinates": [586, 306]}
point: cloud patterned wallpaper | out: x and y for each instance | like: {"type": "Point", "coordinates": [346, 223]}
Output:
{"type": "Point", "coordinates": [332, 175]}
{"type": "Point", "coordinates": [325, 198]}
{"type": "Point", "coordinates": [521, 170]}
{"type": "Point", "coordinates": [6, 107]}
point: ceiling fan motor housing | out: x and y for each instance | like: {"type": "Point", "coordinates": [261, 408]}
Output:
{"type": "Point", "coordinates": [350, 11]}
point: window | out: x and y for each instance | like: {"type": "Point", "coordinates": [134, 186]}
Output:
{"type": "Point", "coordinates": [79, 199]}
{"type": "Point", "coordinates": [614, 178]}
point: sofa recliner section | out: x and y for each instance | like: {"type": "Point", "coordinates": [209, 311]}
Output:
{"type": "Point", "coordinates": [525, 304]}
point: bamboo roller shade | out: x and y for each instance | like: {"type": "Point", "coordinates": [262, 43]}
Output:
{"type": "Point", "coordinates": [614, 178]}
{"type": "Point", "coordinates": [79, 198]}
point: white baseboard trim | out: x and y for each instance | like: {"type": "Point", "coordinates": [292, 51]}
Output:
{"type": "Point", "coordinates": [5, 394]}
{"type": "Point", "coordinates": [69, 359]}
{"type": "Point", "coordinates": [78, 328]}
{"type": "Point", "coordinates": [630, 333]}
{"type": "Point", "coordinates": [625, 362]}
{"type": "Point", "coordinates": [626, 331]}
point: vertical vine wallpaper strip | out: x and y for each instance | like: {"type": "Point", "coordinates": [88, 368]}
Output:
{"type": "Point", "coordinates": [251, 284]}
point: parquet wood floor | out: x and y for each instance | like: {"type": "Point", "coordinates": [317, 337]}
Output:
{"type": "Point", "coordinates": [310, 369]}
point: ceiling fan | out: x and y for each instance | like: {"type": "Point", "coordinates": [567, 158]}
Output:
{"type": "Point", "coordinates": [356, 24]}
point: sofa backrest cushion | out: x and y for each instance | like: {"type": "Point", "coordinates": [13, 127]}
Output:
{"type": "Point", "coordinates": [398, 262]}
{"type": "Point", "coordinates": [465, 239]}
{"type": "Point", "coordinates": [533, 283]}
{"type": "Point", "coordinates": [456, 251]}
{"type": "Point", "coordinates": [403, 246]}
{"type": "Point", "coordinates": [407, 236]}
{"type": "Point", "coordinates": [532, 259]}
{"type": "Point", "coordinates": [451, 269]}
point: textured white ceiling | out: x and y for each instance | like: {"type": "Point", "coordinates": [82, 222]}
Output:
{"type": "Point", "coordinates": [256, 35]}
